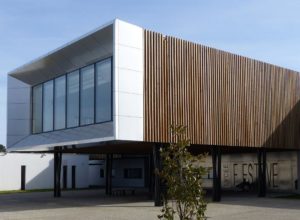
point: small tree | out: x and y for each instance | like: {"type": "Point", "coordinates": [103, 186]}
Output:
{"type": "Point", "coordinates": [2, 148]}
{"type": "Point", "coordinates": [182, 173]}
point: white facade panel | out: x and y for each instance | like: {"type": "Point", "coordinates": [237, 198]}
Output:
{"type": "Point", "coordinates": [130, 128]}
{"type": "Point", "coordinates": [15, 113]}
{"type": "Point", "coordinates": [130, 58]}
{"type": "Point", "coordinates": [129, 80]}
{"type": "Point", "coordinates": [133, 39]}
{"type": "Point", "coordinates": [18, 95]}
{"type": "Point", "coordinates": [130, 105]}
{"type": "Point", "coordinates": [18, 110]}
{"type": "Point", "coordinates": [19, 126]}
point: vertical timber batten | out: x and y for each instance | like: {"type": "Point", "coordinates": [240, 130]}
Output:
{"type": "Point", "coordinates": [224, 99]}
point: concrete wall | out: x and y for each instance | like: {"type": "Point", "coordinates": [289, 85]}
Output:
{"type": "Point", "coordinates": [281, 170]}
{"type": "Point", "coordinates": [39, 170]}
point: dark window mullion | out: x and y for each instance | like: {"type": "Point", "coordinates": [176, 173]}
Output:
{"type": "Point", "coordinates": [66, 99]}
{"type": "Point", "coordinates": [53, 105]}
{"type": "Point", "coordinates": [79, 94]}
{"type": "Point", "coordinates": [111, 89]}
{"type": "Point", "coordinates": [42, 129]}
{"type": "Point", "coordinates": [95, 86]}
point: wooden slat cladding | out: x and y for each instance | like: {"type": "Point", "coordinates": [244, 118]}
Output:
{"type": "Point", "coordinates": [224, 99]}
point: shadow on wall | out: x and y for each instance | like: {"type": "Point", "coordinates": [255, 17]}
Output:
{"type": "Point", "coordinates": [41, 180]}
{"type": "Point", "coordinates": [287, 133]}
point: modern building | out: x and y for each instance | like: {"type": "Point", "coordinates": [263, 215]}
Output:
{"type": "Point", "coordinates": [117, 90]}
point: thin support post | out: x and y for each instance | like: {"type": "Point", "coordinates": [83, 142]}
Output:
{"type": "Point", "coordinates": [157, 182]}
{"type": "Point", "coordinates": [146, 172]}
{"type": "Point", "coordinates": [262, 170]}
{"type": "Point", "coordinates": [216, 161]}
{"type": "Point", "coordinates": [57, 171]}
{"type": "Point", "coordinates": [108, 175]}
{"type": "Point", "coordinates": [151, 176]}
{"type": "Point", "coordinates": [298, 172]}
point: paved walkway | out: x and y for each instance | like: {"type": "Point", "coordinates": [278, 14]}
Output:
{"type": "Point", "coordinates": [92, 204]}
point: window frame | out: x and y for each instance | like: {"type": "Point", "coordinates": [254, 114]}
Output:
{"type": "Point", "coordinates": [126, 172]}
{"type": "Point", "coordinates": [80, 94]}
{"type": "Point", "coordinates": [54, 102]}
{"type": "Point", "coordinates": [32, 107]}
{"type": "Point", "coordinates": [95, 92]}
{"type": "Point", "coordinates": [94, 106]}
{"type": "Point", "coordinates": [67, 74]}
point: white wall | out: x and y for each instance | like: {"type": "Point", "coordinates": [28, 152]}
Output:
{"type": "Point", "coordinates": [94, 172]}
{"type": "Point", "coordinates": [39, 170]}
{"type": "Point", "coordinates": [82, 167]}
{"type": "Point", "coordinates": [128, 81]}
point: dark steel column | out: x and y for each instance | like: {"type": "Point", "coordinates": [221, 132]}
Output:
{"type": "Point", "coordinates": [216, 161]}
{"type": "Point", "coordinates": [151, 176]}
{"type": "Point", "coordinates": [108, 174]}
{"type": "Point", "coordinates": [262, 171]}
{"type": "Point", "coordinates": [146, 171]}
{"type": "Point", "coordinates": [57, 171]}
{"type": "Point", "coordinates": [157, 183]}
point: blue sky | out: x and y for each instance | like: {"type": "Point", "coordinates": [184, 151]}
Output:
{"type": "Point", "coordinates": [267, 30]}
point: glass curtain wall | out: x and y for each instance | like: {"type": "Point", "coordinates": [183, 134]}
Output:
{"type": "Point", "coordinates": [60, 103]}
{"type": "Point", "coordinates": [79, 98]}
{"type": "Point", "coordinates": [37, 109]}
{"type": "Point", "coordinates": [87, 95]}
{"type": "Point", "coordinates": [48, 106]}
{"type": "Point", "coordinates": [103, 94]}
{"type": "Point", "coordinates": [73, 99]}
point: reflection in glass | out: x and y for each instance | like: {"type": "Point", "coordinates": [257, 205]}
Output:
{"type": "Point", "coordinates": [87, 95]}
{"type": "Point", "coordinates": [73, 99]}
{"type": "Point", "coordinates": [48, 106]}
{"type": "Point", "coordinates": [103, 91]}
{"type": "Point", "coordinates": [37, 108]}
{"type": "Point", "coordinates": [81, 97]}
{"type": "Point", "coordinates": [60, 103]}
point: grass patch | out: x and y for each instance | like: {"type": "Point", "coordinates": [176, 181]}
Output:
{"type": "Point", "coordinates": [43, 190]}
{"type": "Point", "coordinates": [293, 196]}
{"type": "Point", "coordinates": [24, 191]}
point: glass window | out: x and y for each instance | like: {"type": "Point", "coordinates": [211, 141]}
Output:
{"type": "Point", "coordinates": [37, 109]}
{"type": "Point", "coordinates": [133, 173]}
{"type": "Point", "coordinates": [87, 95]}
{"type": "Point", "coordinates": [48, 106]}
{"type": "Point", "coordinates": [73, 99]}
{"type": "Point", "coordinates": [103, 91]}
{"type": "Point", "coordinates": [81, 97]}
{"type": "Point", "coordinates": [60, 103]}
